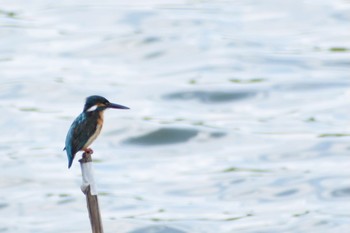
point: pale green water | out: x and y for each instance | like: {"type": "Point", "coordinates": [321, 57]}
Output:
{"type": "Point", "coordinates": [239, 117]}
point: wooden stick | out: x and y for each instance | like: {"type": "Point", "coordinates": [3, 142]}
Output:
{"type": "Point", "coordinates": [89, 189]}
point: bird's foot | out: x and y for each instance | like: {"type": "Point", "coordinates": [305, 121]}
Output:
{"type": "Point", "coordinates": [89, 151]}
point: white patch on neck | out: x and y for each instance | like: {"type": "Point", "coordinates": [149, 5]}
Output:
{"type": "Point", "coordinates": [92, 108]}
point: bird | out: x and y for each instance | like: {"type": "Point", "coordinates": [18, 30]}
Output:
{"type": "Point", "coordinates": [87, 126]}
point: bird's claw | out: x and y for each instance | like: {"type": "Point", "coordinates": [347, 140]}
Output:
{"type": "Point", "coordinates": [89, 151]}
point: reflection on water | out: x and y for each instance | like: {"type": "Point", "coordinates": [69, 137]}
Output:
{"type": "Point", "coordinates": [239, 117]}
{"type": "Point", "coordinates": [210, 96]}
{"type": "Point", "coordinates": [158, 229]}
{"type": "Point", "coordinates": [164, 136]}
{"type": "Point", "coordinates": [342, 193]}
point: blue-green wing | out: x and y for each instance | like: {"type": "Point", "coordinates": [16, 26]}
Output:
{"type": "Point", "coordinates": [79, 133]}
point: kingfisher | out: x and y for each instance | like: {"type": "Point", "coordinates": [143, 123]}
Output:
{"type": "Point", "coordinates": [87, 126]}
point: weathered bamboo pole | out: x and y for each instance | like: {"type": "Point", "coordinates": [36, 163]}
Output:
{"type": "Point", "coordinates": [89, 189]}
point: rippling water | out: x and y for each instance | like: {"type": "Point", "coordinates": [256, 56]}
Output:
{"type": "Point", "coordinates": [239, 117]}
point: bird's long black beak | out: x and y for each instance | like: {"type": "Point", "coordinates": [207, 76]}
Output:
{"type": "Point", "coordinates": [117, 106]}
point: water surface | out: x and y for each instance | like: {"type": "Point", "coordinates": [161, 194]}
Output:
{"type": "Point", "coordinates": [239, 117]}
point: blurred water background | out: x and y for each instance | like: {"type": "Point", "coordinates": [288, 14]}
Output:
{"type": "Point", "coordinates": [239, 117]}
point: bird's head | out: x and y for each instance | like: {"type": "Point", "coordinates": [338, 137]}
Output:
{"type": "Point", "coordinates": [99, 103]}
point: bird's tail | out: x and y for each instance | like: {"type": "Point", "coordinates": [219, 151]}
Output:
{"type": "Point", "coordinates": [70, 163]}
{"type": "Point", "coordinates": [70, 159]}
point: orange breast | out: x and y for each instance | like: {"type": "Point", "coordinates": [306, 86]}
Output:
{"type": "Point", "coordinates": [97, 132]}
